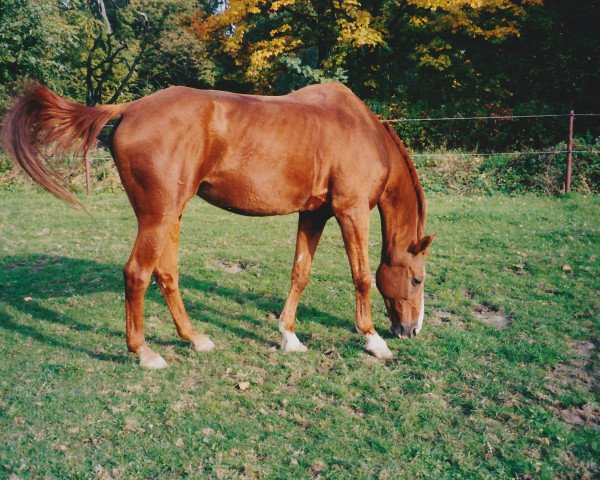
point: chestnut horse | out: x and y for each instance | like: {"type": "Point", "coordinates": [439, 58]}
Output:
{"type": "Point", "coordinates": [318, 151]}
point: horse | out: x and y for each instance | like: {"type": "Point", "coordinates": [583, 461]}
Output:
{"type": "Point", "coordinates": [318, 151]}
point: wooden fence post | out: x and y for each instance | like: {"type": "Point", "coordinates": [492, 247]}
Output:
{"type": "Point", "coordinates": [569, 153]}
{"type": "Point", "coordinates": [88, 177]}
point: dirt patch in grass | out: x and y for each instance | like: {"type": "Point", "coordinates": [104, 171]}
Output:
{"type": "Point", "coordinates": [582, 348]}
{"type": "Point", "coordinates": [231, 267]}
{"type": "Point", "coordinates": [587, 415]}
{"type": "Point", "coordinates": [491, 316]}
{"type": "Point", "coordinates": [442, 317]}
{"type": "Point", "coordinates": [571, 376]}
{"type": "Point", "coordinates": [582, 373]}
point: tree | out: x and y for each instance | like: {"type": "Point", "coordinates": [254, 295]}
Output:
{"type": "Point", "coordinates": [23, 45]}
{"type": "Point", "coordinates": [110, 39]}
{"type": "Point", "coordinates": [298, 40]}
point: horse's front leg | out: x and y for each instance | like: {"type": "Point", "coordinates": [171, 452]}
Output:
{"type": "Point", "coordinates": [354, 223]}
{"type": "Point", "coordinates": [310, 228]}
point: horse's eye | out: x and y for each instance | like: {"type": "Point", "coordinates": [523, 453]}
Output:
{"type": "Point", "coordinates": [416, 282]}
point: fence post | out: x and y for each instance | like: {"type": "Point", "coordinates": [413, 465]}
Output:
{"type": "Point", "coordinates": [569, 153]}
{"type": "Point", "coordinates": [88, 177]}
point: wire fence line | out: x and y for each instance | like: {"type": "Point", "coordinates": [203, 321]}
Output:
{"type": "Point", "coordinates": [491, 154]}
{"type": "Point", "coordinates": [456, 154]}
{"type": "Point", "coordinates": [568, 152]}
{"type": "Point", "coordinates": [490, 117]}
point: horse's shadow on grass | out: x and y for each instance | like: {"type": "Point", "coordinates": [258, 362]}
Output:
{"type": "Point", "coordinates": [47, 276]}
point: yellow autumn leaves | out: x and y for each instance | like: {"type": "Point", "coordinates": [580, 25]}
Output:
{"type": "Point", "coordinates": [353, 24]}
{"type": "Point", "coordinates": [256, 33]}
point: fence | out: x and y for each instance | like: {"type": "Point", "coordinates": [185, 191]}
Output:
{"type": "Point", "coordinates": [569, 152]}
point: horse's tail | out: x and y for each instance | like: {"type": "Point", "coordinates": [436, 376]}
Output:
{"type": "Point", "coordinates": [40, 119]}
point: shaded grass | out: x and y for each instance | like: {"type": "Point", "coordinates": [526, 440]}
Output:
{"type": "Point", "coordinates": [463, 400]}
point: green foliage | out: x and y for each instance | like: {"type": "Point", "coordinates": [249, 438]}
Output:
{"type": "Point", "coordinates": [546, 173]}
{"type": "Point", "coordinates": [22, 44]}
{"type": "Point", "coordinates": [451, 172]}
{"type": "Point", "coordinates": [406, 58]}
{"type": "Point", "coordinates": [175, 55]}
{"type": "Point", "coordinates": [66, 45]}
{"type": "Point", "coordinates": [299, 75]}
{"type": "Point", "coordinates": [545, 66]}
{"type": "Point", "coordinates": [543, 173]}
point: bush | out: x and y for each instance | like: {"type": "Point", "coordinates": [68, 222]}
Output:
{"type": "Point", "coordinates": [452, 172]}
{"type": "Point", "coordinates": [544, 173]}
{"type": "Point", "coordinates": [105, 177]}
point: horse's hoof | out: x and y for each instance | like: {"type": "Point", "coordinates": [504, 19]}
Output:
{"type": "Point", "coordinates": [203, 344]}
{"type": "Point", "coordinates": [377, 347]}
{"type": "Point", "coordinates": [293, 346]}
{"type": "Point", "coordinates": [290, 342]}
{"type": "Point", "coordinates": [152, 360]}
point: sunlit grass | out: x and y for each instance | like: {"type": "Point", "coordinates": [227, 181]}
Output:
{"type": "Point", "coordinates": [463, 400]}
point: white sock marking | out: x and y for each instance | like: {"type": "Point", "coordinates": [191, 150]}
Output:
{"type": "Point", "coordinates": [154, 361]}
{"type": "Point", "coordinates": [205, 344]}
{"type": "Point", "coordinates": [291, 343]}
{"type": "Point", "coordinates": [377, 346]}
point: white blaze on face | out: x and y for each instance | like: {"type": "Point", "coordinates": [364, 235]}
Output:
{"type": "Point", "coordinates": [421, 312]}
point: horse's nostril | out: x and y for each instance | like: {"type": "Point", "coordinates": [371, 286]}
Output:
{"type": "Point", "coordinates": [405, 332]}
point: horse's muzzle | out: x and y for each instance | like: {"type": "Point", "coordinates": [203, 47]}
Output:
{"type": "Point", "coordinates": [404, 332]}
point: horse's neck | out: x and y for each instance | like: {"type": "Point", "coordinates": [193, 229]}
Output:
{"type": "Point", "coordinates": [399, 210]}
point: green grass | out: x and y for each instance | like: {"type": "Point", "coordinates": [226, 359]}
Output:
{"type": "Point", "coordinates": [462, 400]}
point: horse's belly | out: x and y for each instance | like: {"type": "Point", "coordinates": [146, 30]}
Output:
{"type": "Point", "coordinates": [259, 195]}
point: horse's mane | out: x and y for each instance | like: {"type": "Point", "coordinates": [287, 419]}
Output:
{"type": "Point", "coordinates": [413, 176]}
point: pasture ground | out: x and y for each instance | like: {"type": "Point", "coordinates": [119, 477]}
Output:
{"type": "Point", "coordinates": [501, 383]}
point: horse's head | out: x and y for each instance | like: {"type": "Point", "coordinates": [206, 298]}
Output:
{"type": "Point", "coordinates": [402, 286]}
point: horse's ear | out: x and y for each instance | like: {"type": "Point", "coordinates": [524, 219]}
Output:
{"type": "Point", "coordinates": [423, 244]}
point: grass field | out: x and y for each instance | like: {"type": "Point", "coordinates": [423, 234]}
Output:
{"type": "Point", "coordinates": [501, 383]}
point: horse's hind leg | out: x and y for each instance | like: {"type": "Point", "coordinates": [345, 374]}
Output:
{"type": "Point", "coordinates": [167, 276]}
{"type": "Point", "coordinates": [310, 228]}
{"type": "Point", "coordinates": [149, 243]}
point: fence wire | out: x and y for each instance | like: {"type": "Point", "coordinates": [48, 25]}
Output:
{"type": "Point", "coordinates": [491, 154]}
{"type": "Point", "coordinates": [496, 117]}
{"type": "Point", "coordinates": [460, 154]}
{"type": "Point", "coordinates": [492, 117]}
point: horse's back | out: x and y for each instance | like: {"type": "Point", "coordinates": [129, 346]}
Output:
{"type": "Point", "coordinates": [256, 155]}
